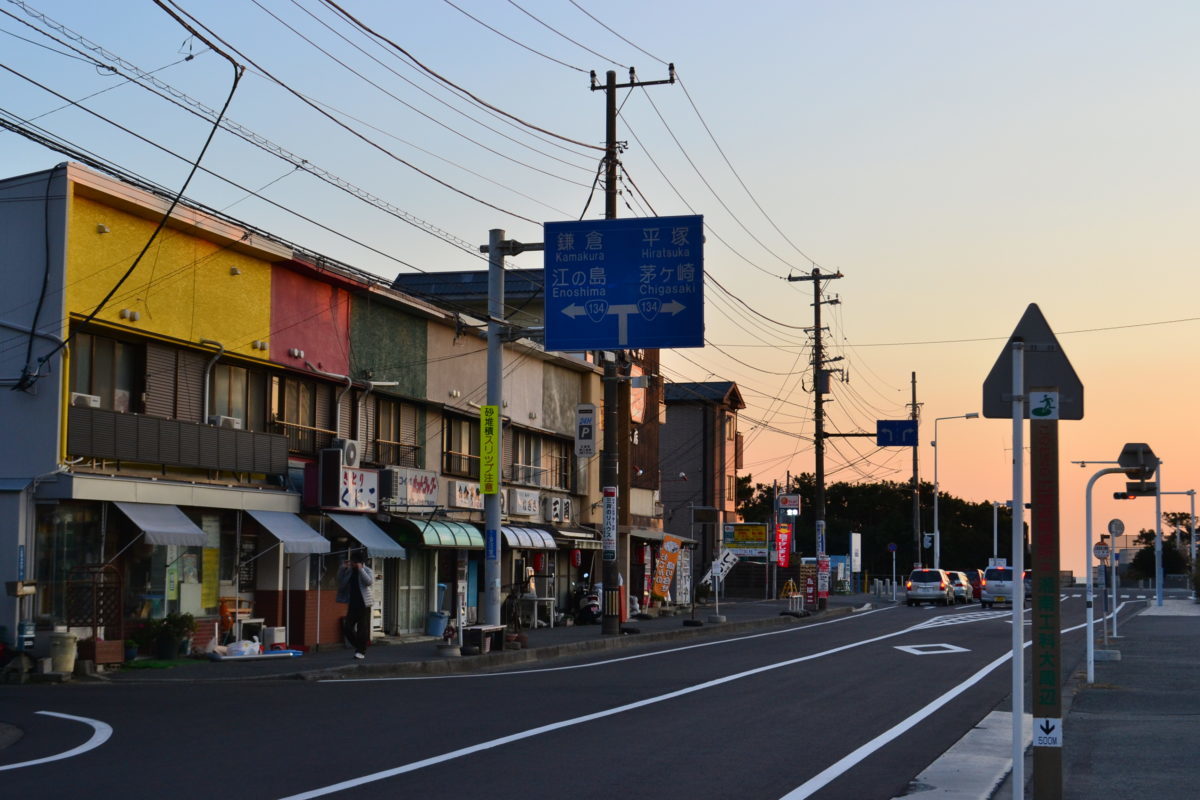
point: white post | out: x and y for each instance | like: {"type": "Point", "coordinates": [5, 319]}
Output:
{"type": "Point", "coordinates": [1089, 596]}
{"type": "Point", "coordinates": [937, 529]}
{"type": "Point", "coordinates": [995, 529]}
{"type": "Point", "coordinates": [1192, 494]}
{"type": "Point", "coordinates": [893, 576]}
{"type": "Point", "coordinates": [1113, 556]}
{"type": "Point", "coordinates": [1158, 565]}
{"type": "Point", "coordinates": [1018, 537]}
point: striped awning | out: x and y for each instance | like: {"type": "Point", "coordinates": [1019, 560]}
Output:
{"type": "Point", "coordinates": [528, 538]}
{"type": "Point", "coordinates": [448, 533]}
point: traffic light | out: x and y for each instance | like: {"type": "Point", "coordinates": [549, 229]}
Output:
{"type": "Point", "coordinates": [1137, 489]}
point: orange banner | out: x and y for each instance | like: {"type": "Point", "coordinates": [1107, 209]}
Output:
{"type": "Point", "coordinates": [664, 566]}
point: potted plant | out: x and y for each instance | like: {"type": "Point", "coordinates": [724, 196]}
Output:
{"type": "Point", "coordinates": [170, 633]}
{"type": "Point", "coordinates": [131, 649]}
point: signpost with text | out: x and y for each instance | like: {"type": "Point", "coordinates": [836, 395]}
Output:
{"type": "Point", "coordinates": [1049, 391]}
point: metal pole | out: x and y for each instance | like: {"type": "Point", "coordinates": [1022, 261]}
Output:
{"type": "Point", "coordinates": [1087, 560]}
{"type": "Point", "coordinates": [495, 397]}
{"type": "Point", "coordinates": [893, 576]}
{"type": "Point", "coordinates": [995, 529]}
{"type": "Point", "coordinates": [937, 528]}
{"type": "Point", "coordinates": [1192, 494]}
{"type": "Point", "coordinates": [1114, 590]}
{"type": "Point", "coordinates": [1018, 539]}
{"type": "Point", "coordinates": [1158, 565]}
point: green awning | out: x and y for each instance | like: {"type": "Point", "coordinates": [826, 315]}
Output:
{"type": "Point", "coordinates": [447, 533]}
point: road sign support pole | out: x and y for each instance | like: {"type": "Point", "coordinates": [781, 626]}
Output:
{"type": "Point", "coordinates": [1018, 569]}
{"type": "Point", "coordinates": [1044, 607]}
{"type": "Point", "coordinates": [495, 397]}
{"type": "Point", "coordinates": [1089, 596]}
{"type": "Point", "coordinates": [1158, 565]}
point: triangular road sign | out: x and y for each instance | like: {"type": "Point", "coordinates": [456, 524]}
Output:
{"type": "Point", "coordinates": [1046, 368]}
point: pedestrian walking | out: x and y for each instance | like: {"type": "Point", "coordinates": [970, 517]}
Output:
{"type": "Point", "coordinates": [354, 587]}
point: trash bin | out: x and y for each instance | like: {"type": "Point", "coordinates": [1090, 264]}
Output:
{"type": "Point", "coordinates": [435, 623]}
{"type": "Point", "coordinates": [62, 652]}
{"type": "Point", "coordinates": [441, 589]}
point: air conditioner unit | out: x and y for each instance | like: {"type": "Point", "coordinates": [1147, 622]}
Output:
{"type": "Point", "coordinates": [85, 400]}
{"type": "Point", "coordinates": [389, 483]}
{"type": "Point", "coordinates": [349, 448]}
{"type": "Point", "coordinates": [568, 510]}
{"type": "Point", "coordinates": [226, 422]}
{"type": "Point", "coordinates": [552, 509]}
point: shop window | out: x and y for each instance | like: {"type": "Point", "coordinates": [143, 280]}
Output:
{"type": "Point", "coordinates": [398, 434]}
{"type": "Point", "coordinates": [730, 427]}
{"type": "Point", "coordinates": [461, 447]}
{"type": "Point", "coordinates": [68, 536]}
{"type": "Point", "coordinates": [108, 369]}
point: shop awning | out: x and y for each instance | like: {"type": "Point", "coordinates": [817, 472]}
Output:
{"type": "Point", "coordinates": [164, 524]}
{"type": "Point", "coordinates": [529, 538]}
{"type": "Point", "coordinates": [580, 540]}
{"type": "Point", "coordinates": [655, 535]}
{"type": "Point", "coordinates": [448, 533]}
{"type": "Point", "coordinates": [369, 535]}
{"type": "Point", "coordinates": [291, 531]}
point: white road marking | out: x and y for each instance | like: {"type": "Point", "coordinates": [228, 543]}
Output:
{"type": "Point", "coordinates": [852, 759]}
{"type": "Point", "coordinates": [606, 661]}
{"type": "Point", "coordinates": [931, 649]}
{"type": "Point", "coordinates": [568, 723]}
{"type": "Point", "coordinates": [962, 619]}
{"type": "Point", "coordinates": [101, 732]}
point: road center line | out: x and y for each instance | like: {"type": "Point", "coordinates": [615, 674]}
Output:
{"type": "Point", "coordinates": [101, 731]}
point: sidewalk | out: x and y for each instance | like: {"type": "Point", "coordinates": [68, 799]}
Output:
{"type": "Point", "coordinates": [420, 655]}
{"type": "Point", "coordinates": [1129, 733]}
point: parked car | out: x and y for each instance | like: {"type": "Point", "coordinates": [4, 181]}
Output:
{"type": "Point", "coordinates": [929, 586]}
{"type": "Point", "coordinates": [962, 586]}
{"type": "Point", "coordinates": [975, 578]}
{"type": "Point", "coordinates": [1028, 584]}
{"type": "Point", "coordinates": [997, 586]}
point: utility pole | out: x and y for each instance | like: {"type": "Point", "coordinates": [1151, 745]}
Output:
{"type": "Point", "coordinates": [820, 389]}
{"type": "Point", "coordinates": [916, 478]}
{"type": "Point", "coordinates": [614, 481]}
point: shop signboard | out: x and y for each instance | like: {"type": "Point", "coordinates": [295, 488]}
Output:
{"type": "Point", "coordinates": [745, 539]}
{"type": "Point", "coordinates": [664, 565]}
{"type": "Point", "coordinates": [783, 543]}
{"type": "Point", "coordinates": [414, 487]}
{"type": "Point", "coordinates": [524, 502]}
{"type": "Point", "coordinates": [856, 552]}
{"type": "Point", "coordinates": [822, 576]}
{"type": "Point", "coordinates": [489, 449]}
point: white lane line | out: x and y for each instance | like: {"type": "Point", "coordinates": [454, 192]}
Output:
{"type": "Point", "coordinates": [854, 758]}
{"type": "Point", "coordinates": [100, 734]}
{"type": "Point", "coordinates": [605, 662]}
{"type": "Point", "coordinates": [567, 723]}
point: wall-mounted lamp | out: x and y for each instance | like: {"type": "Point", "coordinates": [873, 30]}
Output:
{"type": "Point", "coordinates": [102, 228]}
{"type": "Point", "coordinates": [129, 314]}
{"type": "Point", "coordinates": [638, 472]}
{"type": "Point", "coordinates": [234, 271]}
{"type": "Point", "coordinates": [533, 415]}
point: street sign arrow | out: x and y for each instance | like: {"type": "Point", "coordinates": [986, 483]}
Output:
{"type": "Point", "coordinates": [1047, 370]}
{"type": "Point", "coordinates": [1046, 727]}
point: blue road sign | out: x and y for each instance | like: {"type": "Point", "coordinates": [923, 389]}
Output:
{"type": "Point", "coordinates": [896, 433]}
{"type": "Point", "coordinates": [624, 283]}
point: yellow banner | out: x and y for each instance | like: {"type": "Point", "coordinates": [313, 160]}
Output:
{"type": "Point", "coordinates": [664, 566]}
{"type": "Point", "coordinates": [489, 449]}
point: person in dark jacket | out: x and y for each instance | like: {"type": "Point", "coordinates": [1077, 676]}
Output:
{"type": "Point", "coordinates": [354, 587]}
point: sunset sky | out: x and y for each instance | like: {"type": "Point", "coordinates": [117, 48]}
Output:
{"type": "Point", "coordinates": [955, 161]}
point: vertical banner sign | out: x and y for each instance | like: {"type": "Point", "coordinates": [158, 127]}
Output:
{"type": "Point", "coordinates": [822, 576]}
{"type": "Point", "coordinates": [783, 543]}
{"type": "Point", "coordinates": [821, 537]}
{"type": "Point", "coordinates": [664, 566]}
{"type": "Point", "coordinates": [1044, 607]}
{"type": "Point", "coordinates": [489, 449]}
{"type": "Point", "coordinates": [610, 523]}
{"type": "Point", "coordinates": [585, 430]}
{"type": "Point", "coordinates": [856, 552]}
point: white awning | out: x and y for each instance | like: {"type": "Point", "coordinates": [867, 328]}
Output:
{"type": "Point", "coordinates": [164, 524]}
{"type": "Point", "coordinates": [291, 531]}
{"type": "Point", "coordinates": [529, 538]}
{"type": "Point", "coordinates": [369, 535]}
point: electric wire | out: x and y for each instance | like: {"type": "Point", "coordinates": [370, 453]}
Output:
{"type": "Point", "coordinates": [554, 30]}
{"type": "Point", "coordinates": [522, 45]}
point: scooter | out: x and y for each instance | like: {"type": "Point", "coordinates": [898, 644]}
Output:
{"type": "Point", "coordinates": [587, 604]}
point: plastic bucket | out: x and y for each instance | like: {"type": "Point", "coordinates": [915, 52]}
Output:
{"type": "Point", "coordinates": [435, 623]}
{"type": "Point", "coordinates": [62, 652]}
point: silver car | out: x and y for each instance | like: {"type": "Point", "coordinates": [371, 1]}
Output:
{"type": "Point", "coordinates": [962, 587]}
{"type": "Point", "coordinates": [929, 586]}
{"type": "Point", "coordinates": [997, 586]}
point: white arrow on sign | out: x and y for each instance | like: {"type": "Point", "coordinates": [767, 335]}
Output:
{"type": "Point", "coordinates": [647, 307]}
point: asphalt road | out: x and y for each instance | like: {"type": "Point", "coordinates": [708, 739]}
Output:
{"type": "Point", "coordinates": [854, 707]}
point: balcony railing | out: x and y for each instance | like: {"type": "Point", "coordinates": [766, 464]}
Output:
{"type": "Point", "coordinates": [135, 438]}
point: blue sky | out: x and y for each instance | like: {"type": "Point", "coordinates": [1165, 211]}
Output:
{"type": "Point", "coordinates": [956, 161]}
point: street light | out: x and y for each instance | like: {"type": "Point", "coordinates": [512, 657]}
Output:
{"type": "Point", "coordinates": [937, 531]}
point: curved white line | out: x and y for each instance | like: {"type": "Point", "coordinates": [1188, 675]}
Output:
{"type": "Point", "coordinates": [606, 661]}
{"type": "Point", "coordinates": [101, 732]}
